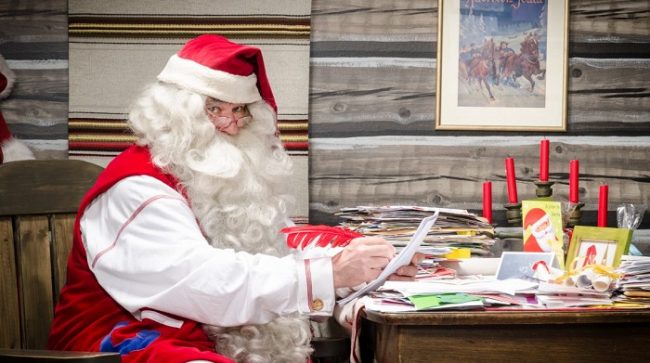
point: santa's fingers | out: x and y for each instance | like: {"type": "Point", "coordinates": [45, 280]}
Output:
{"type": "Point", "coordinates": [407, 271]}
{"type": "Point", "coordinates": [377, 262]}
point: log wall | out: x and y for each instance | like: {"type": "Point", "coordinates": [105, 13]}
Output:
{"type": "Point", "coordinates": [34, 41]}
{"type": "Point", "coordinates": [372, 99]}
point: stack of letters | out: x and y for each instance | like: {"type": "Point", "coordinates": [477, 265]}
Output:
{"type": "Point", "coordinates": [455, 228]}
{"type": "Point", "coordinates": [634, 285]}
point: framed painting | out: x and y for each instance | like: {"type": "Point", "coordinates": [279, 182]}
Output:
{"type": "Point", "coordinates": [502, 65]}
{"type": "Point", "coordinates": [597, 245]}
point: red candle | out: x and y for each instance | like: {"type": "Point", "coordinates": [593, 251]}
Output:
{"type": "Point", "coordinates": [487, 201]}
{"type": "Point", "coordinates": [543, 160]}
{"type": "Point", "coordinates": [574, 167]}
{"type": "Point", "coordinates": [510, 180]}
{"type": "Point", "coordinates": [602, 206]}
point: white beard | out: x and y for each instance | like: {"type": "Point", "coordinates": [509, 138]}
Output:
{"type": "Point", "coordinates": [233, 187]}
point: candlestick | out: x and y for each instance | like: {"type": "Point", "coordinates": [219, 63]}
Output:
{"type": "Point", "coordinates": [602, 206]}
{"type": "Point", "coordinates": [574, 167]}
{"type": "Point", "coordinates": [513, 213]}
{"type": "Point", "coordinates": [575, 214]}
{"type": "Point", "coordinates": [543, 189]}
{"type": "Point", "coordinates": [543, 159]}
{"type": "Point", "coordinates": [487, 201]}
{"type": "Point", "coordinates": [511, 181]}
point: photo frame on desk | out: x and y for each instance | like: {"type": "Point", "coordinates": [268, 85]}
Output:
{"type": "Point", "coordinates": [597, 245]}
{"type": "Point", "coordinates": [502, 65]}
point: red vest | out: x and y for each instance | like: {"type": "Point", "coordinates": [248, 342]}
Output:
{"type": "Point", "coordinates": [86, 314]}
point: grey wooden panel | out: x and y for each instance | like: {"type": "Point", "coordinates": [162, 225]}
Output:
{"type": "Point", "coordinates": [590, 21]}
{"type": "Point", "coordinates": [25, 130]}
{"type": "Point", "coordinates": [449, 171]}
{"type": "Point", "coordinates": [373, 19]}
{"type": "Point", "coordinates": [33, 50]}
{"type": "Point", "coordinates": [363, 97]}
{"type": "Point", "coordinates": [41, 84]}
{"type": "Point", "coordinates": [50, 26]}
{"type": "Point", "coordinates": [29, 6]}
{"type": "Point", "coordinates": [35, 42]}
{"type": "Point", "coordinates": [34, 29]}
{"type": "Point", "coordinates": [607, 20]}
{"type": "Point", "coordinates": [35, 112]}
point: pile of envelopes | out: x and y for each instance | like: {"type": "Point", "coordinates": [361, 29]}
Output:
{"type": "Point", "coordinates": [455, 228]}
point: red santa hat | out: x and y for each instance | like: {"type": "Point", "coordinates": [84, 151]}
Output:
{"type": "Point", "coordinates": [10, 148]}
{"type": "Point", "coordinates": [214, 66]}
{"type": "Point", "coordinates": [533, 216]}
{"type": "Point", "coordinates": [531, 244]}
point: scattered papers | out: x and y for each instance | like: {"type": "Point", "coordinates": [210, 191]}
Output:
{"type": "Point", "coordinates": [456, 294]}
{"type": "Point", "coordinates": [557, 289]}
{"type": "Point", "coordinates": [424, 303]}
{"type": "Point", "coordinates": [482, 286]}
{"type": "Point", "coordinates": [634, 285]}
{"type": "Point", "coordinates": [403, 258]}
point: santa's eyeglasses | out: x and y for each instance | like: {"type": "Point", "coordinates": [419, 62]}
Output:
{"type": "Point", "coordinates": [215, 110]}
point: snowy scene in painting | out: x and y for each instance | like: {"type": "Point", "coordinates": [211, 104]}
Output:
{"type": "Point", "coordinates": [502, 54]}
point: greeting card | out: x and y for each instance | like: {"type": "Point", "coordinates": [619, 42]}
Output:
{"type": "Point", "coordinates": [542, 225]}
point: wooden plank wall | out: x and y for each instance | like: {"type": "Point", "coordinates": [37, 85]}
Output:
{"type": "Point", "coordinates": [34, 41]}
{"type": "Point", "coordinates": [372, 99]}
{"type": "Point", "coordinates": [372, 105]}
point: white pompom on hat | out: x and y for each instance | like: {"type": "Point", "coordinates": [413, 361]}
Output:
{"type": "Point", "coordinates": [214, 66]}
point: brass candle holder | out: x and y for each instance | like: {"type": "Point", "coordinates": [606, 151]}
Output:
{"type": "Point", "coordinates": [575, 214]}
{"type": "Point", "coordinates": [544, 188]}
{"type": "Point", "coordinates": [513, 213]}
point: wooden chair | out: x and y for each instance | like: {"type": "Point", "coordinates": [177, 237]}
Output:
{"type": "Point", "coordinates": [38, 203]}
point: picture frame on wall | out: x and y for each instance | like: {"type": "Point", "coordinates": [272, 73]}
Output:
{"type": "Point", "coordinates": [502, 65]}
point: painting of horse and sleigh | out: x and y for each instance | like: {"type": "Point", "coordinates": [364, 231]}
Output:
{"type": "Point", "coordinates": [504, 55]}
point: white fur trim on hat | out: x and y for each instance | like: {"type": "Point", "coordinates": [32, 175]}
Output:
{"type": "Point", "coordinates": [14, 150]}
{"type": "Point", "coordinates": [211, 82]}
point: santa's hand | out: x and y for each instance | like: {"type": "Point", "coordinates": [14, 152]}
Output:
{"type": "Point", "coordinates": [408, 272]}
{"type": "Point", "coordinates": [361, 261]}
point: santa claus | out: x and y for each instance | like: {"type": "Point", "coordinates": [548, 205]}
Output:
{"type": "Point", "coordinates": [178, 245]}
{"type": "Point", "coordinates": [11, 149]}
{"type": "Point", "coordinates": [542, 235]}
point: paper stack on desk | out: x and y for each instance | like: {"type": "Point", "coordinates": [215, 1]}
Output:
{"type": "Point", "coordinates": [634, 285]}
{"type": "Point", "coordinates": [456, 294]}
{"type": "Point", "coordinates": [555, 296]}
{"type": "Point", "coordinates": [455, 228]}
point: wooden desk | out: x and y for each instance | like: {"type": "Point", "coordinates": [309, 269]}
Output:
{"type": "Point", "coordinates": [504, 336]}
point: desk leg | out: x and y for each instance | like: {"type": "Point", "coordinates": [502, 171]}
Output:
{"type": "Point", "coordinates": [379, 343]}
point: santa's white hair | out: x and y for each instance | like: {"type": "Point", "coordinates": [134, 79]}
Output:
{"type": "Point", "coordinates": [233, 183]}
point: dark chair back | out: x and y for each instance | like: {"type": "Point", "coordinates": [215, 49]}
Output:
{"type": "Point", "coordinates": [38, 203]}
